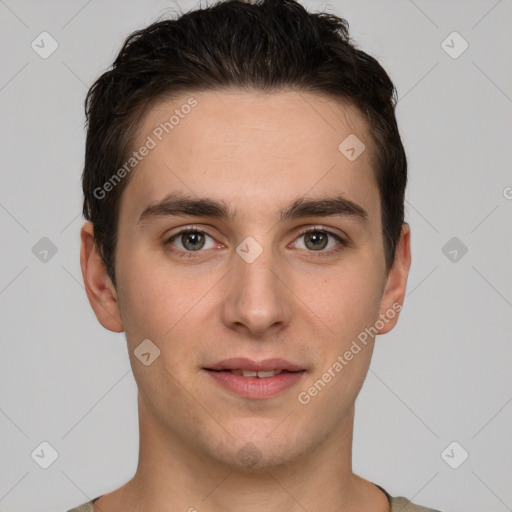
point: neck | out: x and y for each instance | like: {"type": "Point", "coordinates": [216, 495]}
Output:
{"type": "Point", "coordinates": [172, 475]}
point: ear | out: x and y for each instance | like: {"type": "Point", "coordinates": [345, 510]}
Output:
{"type": "Point", "coordinates": [394, 291]}
{"type": "Point", "coordinates": [100, 291]}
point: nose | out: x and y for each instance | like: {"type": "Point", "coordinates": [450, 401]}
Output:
{"type": "Point", "coordinates": [258, 298]}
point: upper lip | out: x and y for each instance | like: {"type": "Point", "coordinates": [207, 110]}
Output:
{"type": "Point", "coordinates": [242, 363]}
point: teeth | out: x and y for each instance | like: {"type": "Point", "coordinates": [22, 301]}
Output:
{"type": "Point", "coordinates": [269, 373]}
{"type": "Point", "coordinates": [252, 373]}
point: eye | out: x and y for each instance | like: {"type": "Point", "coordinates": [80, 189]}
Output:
{"type": "Point", "coordinates": [191, 240]}
{"type": "Point", "coordinates": [316, 240]}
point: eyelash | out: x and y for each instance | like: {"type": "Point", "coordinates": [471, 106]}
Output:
{"type": "Point", "coordinates": [191, 254]}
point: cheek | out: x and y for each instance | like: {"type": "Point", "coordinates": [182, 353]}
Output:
{"type": "Point", "coordinates": [165, 308]}
{"type": "Point", "coordinates": [152, 295]}
{"type": "Point", "coordinates": [154, 310]}
{"type": "Point", "coordinates": [347, 301]}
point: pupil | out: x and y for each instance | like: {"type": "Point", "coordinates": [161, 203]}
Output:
{"type": "Point", "coordinates": [320, 237]}
{"type": "Point", "coordinates": [197, 237]}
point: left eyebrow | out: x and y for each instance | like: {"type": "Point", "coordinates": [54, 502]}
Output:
{"type": "Point", "coordinates": [185, 205]}
{"type": "Point", "coordinates": [323, 207]}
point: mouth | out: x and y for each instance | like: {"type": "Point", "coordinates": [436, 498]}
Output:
{"type": "Point", "coordinates": [252, 379]}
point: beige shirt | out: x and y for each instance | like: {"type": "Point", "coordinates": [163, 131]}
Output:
{"type": "Point", "coordinates": [398, 504]}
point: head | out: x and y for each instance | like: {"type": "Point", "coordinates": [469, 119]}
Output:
{"type": "Point", "coordinates": [246, 105]}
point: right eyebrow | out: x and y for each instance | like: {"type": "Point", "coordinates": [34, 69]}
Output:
{"type": "Point", "coordinates": [183, 205]}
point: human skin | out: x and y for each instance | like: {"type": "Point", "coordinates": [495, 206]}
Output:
{"type": "Point", "coordinates": [258, 153]}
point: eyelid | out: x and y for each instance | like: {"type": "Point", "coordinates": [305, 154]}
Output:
{"type": "Point", "coordinates": [328, 230]}
{"type": "Point", "coordinates": [303, 231]}
{"type": "Point", "coordinates": [186, 229]}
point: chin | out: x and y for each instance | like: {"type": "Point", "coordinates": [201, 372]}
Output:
{"type": "Point", "coordinates": [259, 452]}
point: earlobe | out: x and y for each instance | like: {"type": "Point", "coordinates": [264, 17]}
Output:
{"type": "Point", "coordinates": [394, 292]}
{"type": "Point", "coordinates": [98, 286]}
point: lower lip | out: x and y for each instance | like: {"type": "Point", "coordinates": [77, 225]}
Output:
{"type": "Point", "coordinates": [254, 387]}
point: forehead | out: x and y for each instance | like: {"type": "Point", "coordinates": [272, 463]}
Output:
{"type": "Point", "coordinates": [254, 149]}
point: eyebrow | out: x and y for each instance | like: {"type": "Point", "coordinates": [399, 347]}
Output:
{"type": "Point", "coordinates": [177, 204]}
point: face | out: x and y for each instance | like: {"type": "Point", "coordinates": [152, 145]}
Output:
{"type": "Point", "coordinates": [303, 284]}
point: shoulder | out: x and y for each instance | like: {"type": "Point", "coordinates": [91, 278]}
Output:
{"type": "Point", "coordinates": [401, 504]}
{"type": "Point", "coordinates": [85, 507]}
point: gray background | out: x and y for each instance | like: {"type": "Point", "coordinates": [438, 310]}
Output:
{"type": "Point", "coordinates": [442, 375]}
